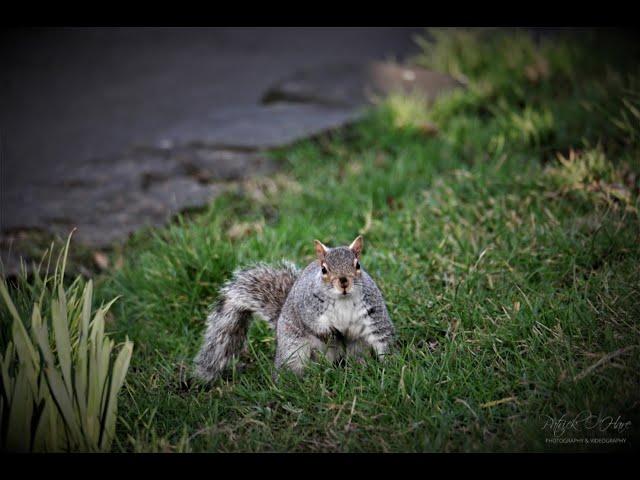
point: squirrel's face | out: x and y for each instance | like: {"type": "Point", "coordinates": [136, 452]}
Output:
{"type": "Point", "coordinates": [340, 266]}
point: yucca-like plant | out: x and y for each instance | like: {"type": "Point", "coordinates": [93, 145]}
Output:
{"type": "Point", "coordinates": [60, 372]}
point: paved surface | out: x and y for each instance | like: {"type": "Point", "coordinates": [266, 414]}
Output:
{"type": "Point", "coordinates": [70, 96]}
{"type": "Point", "coordinates": [137, 121]}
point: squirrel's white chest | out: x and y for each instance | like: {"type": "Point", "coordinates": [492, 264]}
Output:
{"type": "Point", "coordinates": [344, 315]}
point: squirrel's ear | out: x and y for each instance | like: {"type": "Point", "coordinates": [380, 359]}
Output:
{"type": "Point", "coordinates": [321, 250]}
{"type": "Point", "coordinates": [356, 245]}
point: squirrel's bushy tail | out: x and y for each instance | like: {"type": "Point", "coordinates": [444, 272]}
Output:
{"type": "Point", "coordinates": [261, 289]}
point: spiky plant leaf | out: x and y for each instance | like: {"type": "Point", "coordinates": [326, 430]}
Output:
{"type": "Point", "coordinates": [59, 385]}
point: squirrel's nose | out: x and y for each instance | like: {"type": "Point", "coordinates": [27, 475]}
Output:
{"type": "Point", "coordinates": [343, 281]}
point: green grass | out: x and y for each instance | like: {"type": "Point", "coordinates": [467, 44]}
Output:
{"type": "Point", "coordinates": [506, 245]}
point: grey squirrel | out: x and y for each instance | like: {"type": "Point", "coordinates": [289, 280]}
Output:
{"type": "Point", "coordinates": [332, 307]}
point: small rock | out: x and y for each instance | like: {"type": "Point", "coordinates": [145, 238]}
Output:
{"type": "Point", "coordinates": [101, 260]}
{"type": "Point", "coordinates": [348, 85]}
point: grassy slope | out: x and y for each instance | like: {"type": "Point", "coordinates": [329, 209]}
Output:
{"type": "Point", "coordinates": [507, 271]}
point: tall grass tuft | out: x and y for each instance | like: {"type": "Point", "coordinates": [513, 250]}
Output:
{"type": "Point", "coordinates": [60, 373]}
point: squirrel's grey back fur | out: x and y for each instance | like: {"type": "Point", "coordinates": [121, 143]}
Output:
{"type": "Point", "coordinates": [333, 306]}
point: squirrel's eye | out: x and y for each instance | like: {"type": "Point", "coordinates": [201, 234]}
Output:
{"type": "Point", "coordinates": [324, 270]}
{"type": "Point", "coordinates": [357, 265]}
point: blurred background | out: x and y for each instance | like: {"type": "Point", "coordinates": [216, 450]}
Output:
{"type": "Point", "coordinates": [111, 129]}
